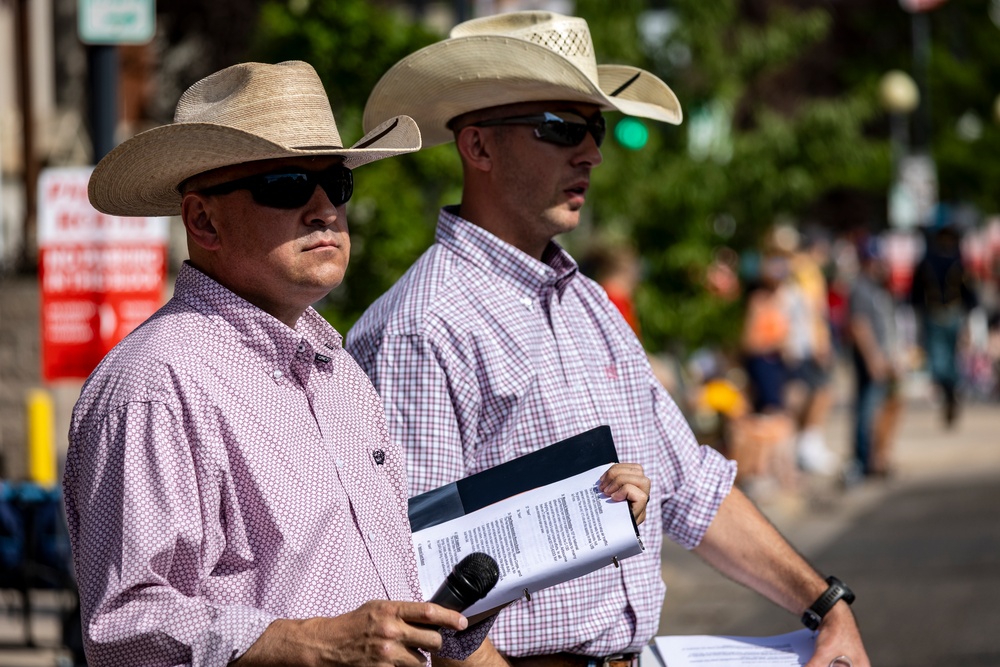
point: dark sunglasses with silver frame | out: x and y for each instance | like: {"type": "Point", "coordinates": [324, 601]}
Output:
{"type": "Point", "coordinates": [291, 188]}
{"type": "Point", "coordinates": [562, 128]}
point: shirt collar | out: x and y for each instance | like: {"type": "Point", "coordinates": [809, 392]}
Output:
{"type": "Point", "coordinates": [270, 338]}
{"type": "Point", "coordinates": [486, 251]}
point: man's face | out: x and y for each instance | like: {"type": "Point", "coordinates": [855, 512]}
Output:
{"type": "Point", "coordinates": [542, 185]}
{"type": "Point", "coordinates": [280, 259]}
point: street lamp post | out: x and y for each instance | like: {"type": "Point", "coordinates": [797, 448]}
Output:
{"type": "Point", "coordinates": [899, 96]}
{"type": "Point", "coordinates": [908, 194]}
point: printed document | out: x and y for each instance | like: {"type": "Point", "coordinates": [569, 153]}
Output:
{"type": "Point", "coordinates": [539, 538]}
{"type": "Point", "coordinates": [788, 650]}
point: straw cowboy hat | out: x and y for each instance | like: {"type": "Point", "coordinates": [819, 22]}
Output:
{"type": "Point", "coordinates": [246, 112]}
{"type": "Point", "coordinates": [516, 57]}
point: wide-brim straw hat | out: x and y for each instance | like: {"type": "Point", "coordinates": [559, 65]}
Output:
{"type": "Point", "coordinates": [244, 113]}
{"type": "Point", "coordinates": [508, 58]}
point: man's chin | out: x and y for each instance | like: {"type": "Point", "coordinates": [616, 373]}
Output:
{"type": "Point", "coordinates": [568, 221]}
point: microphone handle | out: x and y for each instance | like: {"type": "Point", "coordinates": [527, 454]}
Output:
{"type": "Point", "coordinates": [448, 597]}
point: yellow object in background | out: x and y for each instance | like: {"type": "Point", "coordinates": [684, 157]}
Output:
{"type": "Point", "coordinates": [41, 438]}
{"type": "Point", "coordinates": [723, 397]}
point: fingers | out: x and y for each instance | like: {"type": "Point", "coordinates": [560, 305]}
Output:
{"type": "Point", "coordinates": [627, 481]}
{"type": "Point", "coordinates": [394, 633]}
{"type": "Point", "coordinates": [429, 614]}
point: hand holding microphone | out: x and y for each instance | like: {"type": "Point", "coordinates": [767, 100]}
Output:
{"type": "Point", "coordinates": [469, 581]}
{"type": "Point", "coordinates": [384, 632]}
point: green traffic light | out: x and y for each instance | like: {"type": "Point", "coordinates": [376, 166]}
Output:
{"type": "Point", "coordinates": [631, 133]}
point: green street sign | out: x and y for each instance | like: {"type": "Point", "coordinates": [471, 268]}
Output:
{"type": "Point", "coordinates": [116, 21]}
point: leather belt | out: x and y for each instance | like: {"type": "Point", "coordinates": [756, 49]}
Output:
{"type": "Point", "coordinates": [573, 660]}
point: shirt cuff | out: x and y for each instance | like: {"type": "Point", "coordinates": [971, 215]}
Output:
{"type": "Point", "coordinates": [231, 634]}
{"type": "Point", "coordinates": [460, 645]}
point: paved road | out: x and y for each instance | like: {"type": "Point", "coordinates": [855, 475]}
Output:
{"type": "Point", "coordinates": [922, 550]}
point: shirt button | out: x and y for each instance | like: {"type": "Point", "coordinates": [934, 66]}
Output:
{"type": "Point", "coordinates": [277, 374]}
{"type": "Point", "coordinates": [340, 463]}
{"type": "Point", "coordinates": [372, 536]}
{"type": "Point", "coordinates": [302, 347]}
{"type": "Point", "coordinates": [527, 303]}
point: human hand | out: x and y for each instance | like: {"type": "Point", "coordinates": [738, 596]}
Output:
{"type": "Point", "coordinates": [627, 481]}
{"type": "Point", "coordinates": [379, 633]}
{"type": "Point", "coordinates": [839, 637]}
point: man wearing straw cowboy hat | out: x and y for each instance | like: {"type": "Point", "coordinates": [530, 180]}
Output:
{"type": "Point", "coordinates": [231, 490]}
{"type": "Point", "coordinates": [493, 344]}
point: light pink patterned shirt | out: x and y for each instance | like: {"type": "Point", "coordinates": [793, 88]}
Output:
{"type": "Point", "coordinates": [481, 354]}
{"type": "Point", "coordinates": [225, 470]}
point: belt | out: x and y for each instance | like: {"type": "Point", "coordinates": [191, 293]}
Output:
{"type": "Point", "coordinates": [573, 660]}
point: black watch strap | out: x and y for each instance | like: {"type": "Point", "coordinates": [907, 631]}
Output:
{"type": "Point", "coordinates": [837, 591]}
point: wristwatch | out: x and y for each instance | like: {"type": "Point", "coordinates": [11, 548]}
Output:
{"type": "Point", "coordinates": [837, 591]}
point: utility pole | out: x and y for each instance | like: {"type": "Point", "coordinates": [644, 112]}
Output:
{"type": "Point", "coordinates": [921, 31]}
{"type": "Point", "coordinates": [27, 260]}
{"type": "Point", "coordinates": [102, 66]}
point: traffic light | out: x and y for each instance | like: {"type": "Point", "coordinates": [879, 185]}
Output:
{"type": "Point", "coordinates": [631, 133]}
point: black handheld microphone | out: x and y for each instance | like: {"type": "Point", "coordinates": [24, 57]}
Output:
{"type": "Point", "coordinates": [469, 581]}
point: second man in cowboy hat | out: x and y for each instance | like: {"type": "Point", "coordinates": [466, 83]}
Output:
{"type": "Point", "coordinates": [493, 344]}
{"type": "Point", "coordinates": [231, 491]}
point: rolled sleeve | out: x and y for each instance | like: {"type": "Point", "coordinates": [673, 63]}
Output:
{"type": "Point", "coordinates": [699, 477]}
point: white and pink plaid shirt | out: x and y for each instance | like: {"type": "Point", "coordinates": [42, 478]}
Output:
{"type": "Point", "coordinates": [481, 354]}
{"type": "Point", "coordinates": [225, 470]}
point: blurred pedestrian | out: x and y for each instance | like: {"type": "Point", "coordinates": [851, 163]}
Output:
{"type": "Point", "coordinates": [810, 354]}
{"type": "Point", "coordinates": [872, 333]}
{"type": "Point", "coordinates": [765, 332]}
{"type": "Point", "coordinates": [769, 432]}
{"type": "Point", "coordinates": [942, 296]}
{"type": "Point", "coordinates": [616, 268]}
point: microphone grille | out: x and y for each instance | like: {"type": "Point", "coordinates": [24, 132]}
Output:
{"type": "Point", "coordinates": [481, 572]}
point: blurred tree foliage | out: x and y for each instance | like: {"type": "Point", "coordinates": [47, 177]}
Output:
{"type": "Point", "coordinates": [781, 122]}
{"type": "Point", "coordinates": [760, 142]}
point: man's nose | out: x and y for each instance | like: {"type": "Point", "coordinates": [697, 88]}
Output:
{"type": "Point", "coordinates": [320, 211]}
{"type": "Point", "coordinates": [588, 152]}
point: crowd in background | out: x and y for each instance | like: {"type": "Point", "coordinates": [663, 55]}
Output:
{"type": "Point", "coordinates": [857, 321]}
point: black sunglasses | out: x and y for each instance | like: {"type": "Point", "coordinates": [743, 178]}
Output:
{"type": "Point", "coordinates": [559, 128]}
{"type": "Point", "coordinates": [292, 188]}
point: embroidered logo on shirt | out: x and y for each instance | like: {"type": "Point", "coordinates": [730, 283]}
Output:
{"type": "Point", "coordinates": [379, 456]}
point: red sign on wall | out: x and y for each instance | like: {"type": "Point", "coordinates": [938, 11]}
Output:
{"type": "Point", "coordinates": [101, 275]}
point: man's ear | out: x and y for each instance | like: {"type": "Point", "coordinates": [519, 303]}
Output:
{"type": "Point", "coordinates": [476, 147]}
{"type": "Point", "coordinates": [196, 212]}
